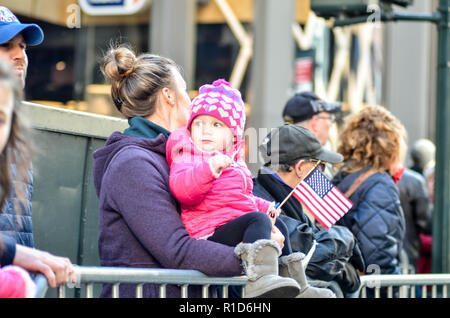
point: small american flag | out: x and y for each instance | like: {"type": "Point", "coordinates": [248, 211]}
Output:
{"type": "Point", "coordinates": [322, 198]}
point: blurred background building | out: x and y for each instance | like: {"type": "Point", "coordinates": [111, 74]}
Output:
{"type": "Point", "coordinates": [268, 49]}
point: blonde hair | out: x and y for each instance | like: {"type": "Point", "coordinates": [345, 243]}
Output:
{"type": "Point", "coordinates": [15, 159]}
{"type": "Point", "coordinates": [373, 137]}
{"type": "Point", "coordinates": [136, 80]}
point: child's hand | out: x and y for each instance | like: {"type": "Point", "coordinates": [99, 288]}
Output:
{"type": "Point", "coordinates": [220, 162]}
{"type": "Point", "coordinates": [277, 236]}
{"type": "Point", "coordinates": [273, 213]}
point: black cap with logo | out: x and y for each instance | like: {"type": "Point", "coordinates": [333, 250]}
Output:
{"type": "Point", "coordinates": [303, 106]}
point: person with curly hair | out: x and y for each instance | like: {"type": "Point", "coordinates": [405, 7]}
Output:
{"type": "Point", "coordinates": [373, 144]}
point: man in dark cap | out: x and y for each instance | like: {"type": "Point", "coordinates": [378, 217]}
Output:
{"type": "Point", "coordinates": [14, 39]}
{"type": "Point", "coordinates": [16, 243]}
{"type": "Point", "coordinates": [289, 153]}
{"type": "Point", "coordinates": [309, 111]}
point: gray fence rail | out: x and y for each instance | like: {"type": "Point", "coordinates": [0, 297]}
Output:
{"type": "Point", "coordinates": [88, 276]}
{"type": "Point", "coordinates": [406, 286]}
{"type": "Point", "coordinates": [428, 285]}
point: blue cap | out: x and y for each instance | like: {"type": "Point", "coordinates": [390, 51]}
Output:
{"type": "Point", "coordinates": [10, 26]}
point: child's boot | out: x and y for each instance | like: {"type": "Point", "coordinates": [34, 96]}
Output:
{"type": "Point", "coordinates": [293, 266]}
{"type": "Point", "coordinates": [260, 261]}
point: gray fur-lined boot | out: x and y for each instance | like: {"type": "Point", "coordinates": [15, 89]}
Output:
{"type": "Point", "coordinates": [293, 265]}
{"type": "Point", "coordinates": [260, 262]}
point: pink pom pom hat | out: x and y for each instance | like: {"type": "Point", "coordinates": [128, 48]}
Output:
{"type": "Point", "coordinates": [223, 102]}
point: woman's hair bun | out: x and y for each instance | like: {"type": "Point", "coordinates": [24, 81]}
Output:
{"type": "Point", "coordinates": [119, 63]}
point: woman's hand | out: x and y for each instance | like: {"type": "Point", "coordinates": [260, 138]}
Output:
{"type": "Point", "coordinates": [277, 236]}
{"type": "Point", "coordinates": [58, 270]}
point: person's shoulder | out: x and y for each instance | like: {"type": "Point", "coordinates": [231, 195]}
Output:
{"type": "Point", "coordinates": [132, 152]}
{"type": "Point", "coordinates": [382, 182]}
{"type": "Point", "coordinates": [132, 158]}
{"type": "Point", "coordinates": [383, 192]}
{"type": "Point", "coordinates": [260, 191]}
{"type": "Point", "coordinates": [410, 175]}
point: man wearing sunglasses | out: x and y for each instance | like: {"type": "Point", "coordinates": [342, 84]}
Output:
{"type": "Point", "coordinates": [289, 153]}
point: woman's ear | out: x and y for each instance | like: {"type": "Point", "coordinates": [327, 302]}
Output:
{"type": "Point", "coordinates": [168, 95]}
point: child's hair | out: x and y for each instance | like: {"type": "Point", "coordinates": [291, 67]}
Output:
{"type": "Point", "coordinates": [373, 137]}
{"type": "Point", "coordinates": [136, 80]}
{"type": "Point", "coordinates": [15, 159]}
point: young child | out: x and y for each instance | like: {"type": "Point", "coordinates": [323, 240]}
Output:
{"type": "Point", "coordinates": [208, 174]}
{"type": "Point", "coordinates": [210, 179]}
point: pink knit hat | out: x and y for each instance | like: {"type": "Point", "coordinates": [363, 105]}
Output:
{"type": "Point", "coordinates": [223, 102]}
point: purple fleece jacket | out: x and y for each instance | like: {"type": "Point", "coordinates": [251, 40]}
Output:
{"type": "Point", "coordinates": [139, 220]}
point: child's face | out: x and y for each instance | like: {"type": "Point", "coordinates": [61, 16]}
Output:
{"type": "Point", "coordinates": [211, 134]}
{"type": "Point", "coordinates": [6, 108]}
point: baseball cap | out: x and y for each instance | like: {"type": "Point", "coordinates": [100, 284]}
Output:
{"type": "Point", "coordinates": [10, 26]}
{"type": "Point", "coordinates": [303, 106]}
{"type": "Point", "coordinates": [288, 143]}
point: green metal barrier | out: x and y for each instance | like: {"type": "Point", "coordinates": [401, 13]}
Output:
{"type": "Point", "coordinates": [65, 206]}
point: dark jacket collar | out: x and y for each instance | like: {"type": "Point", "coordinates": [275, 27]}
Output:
{"type": "Point", "coordinates": [279, 190]}
{"type": "Point", "coordinates": [143, 128]}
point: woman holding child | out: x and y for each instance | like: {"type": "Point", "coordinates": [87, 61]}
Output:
{"type": "Point", "coordinates": [139, 219]}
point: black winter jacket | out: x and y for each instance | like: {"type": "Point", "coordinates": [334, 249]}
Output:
{"type": "Point", "coordinates": [417, 211]}
{"type": "Point", "coordinates": [336, 254]}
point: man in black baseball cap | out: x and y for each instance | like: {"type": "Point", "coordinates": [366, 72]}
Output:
{"type": "Point", "coordinates": [14, 38]}
{"type": "Point", "coordinates": [289, 153]}
{"type": "Point", "coordinates": [290, 143]}
{"type": "Point", "coordinates": [308, 110]}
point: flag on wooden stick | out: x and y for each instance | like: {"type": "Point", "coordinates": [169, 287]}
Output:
{"type": "Point", "coordinates": [322, 198]}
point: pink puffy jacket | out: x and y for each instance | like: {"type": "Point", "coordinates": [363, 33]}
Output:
{"type": "Point", "coordinates": [15, 282]}
{"type": "Point", "coordinates": [208, 202]}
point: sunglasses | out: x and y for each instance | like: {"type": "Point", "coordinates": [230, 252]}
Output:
{"type": "Point", "coordinates": [331, 118]}
{"type": "Point", "coordinates": [320, 166]}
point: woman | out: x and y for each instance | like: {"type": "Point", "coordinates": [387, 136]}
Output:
{"type": "Point", "coordinates": [373, 143]}
{"type": "Point", "coordinates": [15, 152]}
{"type": "Point", "coordinates": [139, 221]}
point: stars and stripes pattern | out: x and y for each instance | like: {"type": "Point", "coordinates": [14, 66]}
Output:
{"type": "Point", "coordinates": [322, 198]}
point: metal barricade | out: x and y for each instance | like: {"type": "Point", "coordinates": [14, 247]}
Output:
{"type": "Point", "coordinates": [413, 285]}
{"type": "Point", "coordinates": [407, 286]}
{"type": "Point", "coordinates": [41, 286]}
{"type": "Point", "coordinates": [88, 276]}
